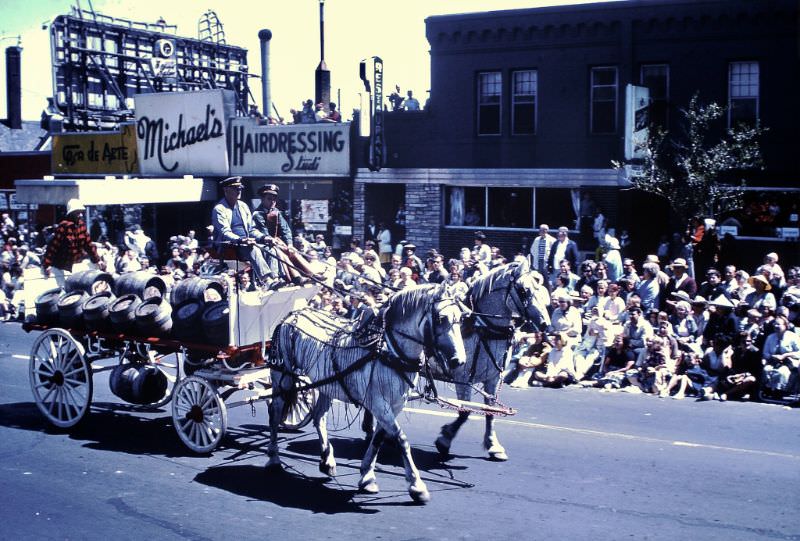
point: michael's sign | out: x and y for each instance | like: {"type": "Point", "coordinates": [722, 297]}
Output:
{"type": "Point", "coordinates": [183, 132]}
{"type": "Point", "coordinates": [301, 150]}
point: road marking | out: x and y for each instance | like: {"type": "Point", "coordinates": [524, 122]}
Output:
{"type": "Point", "coordinates": [620, 435]}
{"type": "Point", "coordinates": [25, 357]}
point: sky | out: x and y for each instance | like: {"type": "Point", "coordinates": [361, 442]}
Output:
{"type": "Point", "coordinates": [354, 29]}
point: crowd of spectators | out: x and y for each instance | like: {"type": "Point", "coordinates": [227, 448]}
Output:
{"type": "Point", "coordinates": [658, 327]}
{"type": "Point", "coordinates": [649, 326]}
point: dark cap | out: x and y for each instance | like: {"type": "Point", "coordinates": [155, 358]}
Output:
{"type": "Point", "coordinates": [268, 188]}
{"type": "Point", "coordinates": [231, 181]}
{"type": "Point", "coordinates": [480, 235]}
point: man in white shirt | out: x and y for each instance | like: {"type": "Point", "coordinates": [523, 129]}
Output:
{"type": "Point", "coordinates": [411, 103]}
{"type": "Point", "coordinates": [540, 249]}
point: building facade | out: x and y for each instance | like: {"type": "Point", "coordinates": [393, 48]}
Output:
{"type": "Point", "coordinates": [527, 112]}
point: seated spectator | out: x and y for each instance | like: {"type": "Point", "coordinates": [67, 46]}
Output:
{"type": "Point", "coordinates": [618, 359]}
{"type": "Point", "coordinates": [560, 367]}
{"type": "Point", "coordinates": [760, 297]}
{"type": "Point", "coordinates": [740, 379]}
{"type": "Point", "coordinates": [740, 288]}
{"type": "Point", "coordinates": [636, 330]}
{"type": "Point", "coordinates": [589, 352]}
{"type": "Point", "coordinates": [529, 354]}
{"type": "Point", "coordinates": [781, 358]}
{"type": "Point", "coordinates": [612, 306]}
{"type": "Point", "coordinates": [684, 327]}
{"type": "Point", "coordinates": [649, 288]}
{"type": "Point", "coordinates": [649, 360]}
{"type": "Point", "coordinates": [713, 286]}
{"type": "Point", "coordinates": [566, 319]}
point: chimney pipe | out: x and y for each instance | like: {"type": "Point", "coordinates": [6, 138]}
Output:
{"type": "Point", "coordinates": [14, 87]}
{"type": "Point", "coordinates": [265, 36]}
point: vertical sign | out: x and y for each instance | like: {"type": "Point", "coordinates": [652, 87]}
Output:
{"type": "Point", "coordinates": [377, 146]}
{"type": "Point", "coordinates": [637, 119]}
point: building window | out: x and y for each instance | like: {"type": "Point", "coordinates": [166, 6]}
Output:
{"type": "Point", "coordinates": [465, 206]}
{"type": "Point", "coordinates": [742, 93]}
{"type": "Point", "coordinates": [490, 90]}
{"type": "Point", "coordinates": [510, 207]}
{"type": "Point", "coordinates": [656, 78]}
{"type": "Point", "coordinates": [523, 102]}
{"type": "Point", "coordinates": [604, 100]}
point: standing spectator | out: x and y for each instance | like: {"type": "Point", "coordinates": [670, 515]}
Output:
{"type": "Point", "coordinates": [411, 103]}
{"type": "Point", "coordinates": [649, 288]}
{"type": "Point", "coordinates": [481, 252]}
{"type": "Point", "coordinates": [384, 244]}
{"type": "Point", "coordinates": [307, 115]}
{"type": "Point", "coordinates": [71, 242]}
{"type": "Point", "coordinates": [411, 261]}
{"type": "Point", "coordinates": [334, 115]}
{"type": "Point", "coordinates": [438, 274]}
{"type": "Point", "coordinates": [613, 259]}
{"type": "Point", "coordinates": [540, 249]}
{"type": "Point", "coordinates": [563, 248]}
{"type": "Point", "coordinates": [680, 280]}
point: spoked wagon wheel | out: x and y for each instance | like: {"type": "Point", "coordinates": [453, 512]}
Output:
{"type": "Point", "coordinates": [61, 378]}
{"type": "Point", "coordinates": [199, 414]}
{"type": "Point", "coordinates": [298, 414]}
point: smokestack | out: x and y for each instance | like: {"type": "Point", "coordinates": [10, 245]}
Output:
{"type": "Point", "coordinates": [266, 99]}
{"type": "Point", "coordinates": [14, 87]}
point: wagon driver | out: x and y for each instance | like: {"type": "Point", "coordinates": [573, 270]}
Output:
{"type": "Point", "coordinates": [70, 244]}
{"type": "Point", "coordinates": [233, 224]}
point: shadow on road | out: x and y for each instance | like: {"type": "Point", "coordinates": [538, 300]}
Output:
{"type": "Point", "coordinates": [286, 489]}
{"type": "Point", "coordinates": [104, 429]}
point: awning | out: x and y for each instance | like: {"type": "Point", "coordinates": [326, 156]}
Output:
{"type": "Point", "coordinates": [116, 191]}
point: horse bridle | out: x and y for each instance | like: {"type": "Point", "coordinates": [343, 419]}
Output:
{"type": "Point", "coordinates": [428, 342]}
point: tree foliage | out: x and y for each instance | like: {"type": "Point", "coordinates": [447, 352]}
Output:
{"type": "Point", "coordinates": [695, 174]}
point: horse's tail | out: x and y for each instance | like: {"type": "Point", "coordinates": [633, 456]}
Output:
{"type": "Point", "coordinates": [279, 353]}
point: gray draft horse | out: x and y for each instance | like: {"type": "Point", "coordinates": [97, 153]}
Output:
{"type": "Point", "coordinates": [375, 366]}
{"type": "Point", "coordinates": [500, 300]}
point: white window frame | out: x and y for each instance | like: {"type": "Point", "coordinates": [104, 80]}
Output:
{"type": "Point", "coordinates": [479, 103]}
{"type": "Point", "coordinates": [594, 86]}
{"type": "Point", "coordinates": [514, 100]}
{"type": "Point", "coordinates": [742, 85]}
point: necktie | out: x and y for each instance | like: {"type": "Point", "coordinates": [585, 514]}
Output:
{"type": "Point", "coordinates": [540, 257]}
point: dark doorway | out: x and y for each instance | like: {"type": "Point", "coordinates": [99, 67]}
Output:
{"type": "Point", "coordinates": [382, 202]}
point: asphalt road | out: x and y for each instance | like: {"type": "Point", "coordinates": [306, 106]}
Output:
{"type": "Point", "coordinates": [583, 465]}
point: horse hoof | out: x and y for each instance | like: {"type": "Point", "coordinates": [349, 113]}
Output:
{"type": "Point", "coordinates": [419, 495]}
{"type": "Point", "coordinates": [370, 487]}
{"type": "Point", "coordinates": [498, 456]}
{"type": "Point", "coordinates": [443, 447]}
{"type": "Point", "coordinates": [330, 471]}
{"type": "Point", "coordinates": [273, 467]}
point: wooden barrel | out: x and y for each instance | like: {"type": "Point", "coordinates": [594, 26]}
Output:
{"type": "Point", "coordinates": [70, 309]}
{"type": "Point", "coordinates": [197, 288]}
{"type": "Point", "coordinates": [186, 321]}
{"type": "Point", "coordinates": [91, 281]}
{"type": "Point", "coordinates": [141, 283]}
{"type": "Point", "coordinates": [138, 384]}
{"type": "Point", "coordinates": [122, 312]}
{"type": "Point", "coordinates": [47, 306]}
{"type": "Point", "coordinates": [154, 317]}
{"type": "Point", "coordinates": [95, 311]}
{"type": "Point", "coordinates": [215, 321]}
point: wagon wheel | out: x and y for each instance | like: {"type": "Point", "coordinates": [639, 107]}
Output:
{"type": "Point", "coordinates": [199, 414]}
{"type": "Point", "coordinates": [299, 413]}
{"type": "Point", "coordinates": [60, 377]}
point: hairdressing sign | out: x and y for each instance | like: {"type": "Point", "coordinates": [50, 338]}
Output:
{"type": "Point", "coordinates": [183, 132]}
{"type": "Point", "coordinates": [298, 150]}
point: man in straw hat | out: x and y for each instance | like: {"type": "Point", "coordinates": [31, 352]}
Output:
{"type": "Point", "coordinates": [680, 281]}
{"type": "Point", "coordinates": [233, 224]}
{"type": "Point", "coordinates": [71, 242]}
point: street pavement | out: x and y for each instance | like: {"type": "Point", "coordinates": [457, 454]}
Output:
{"type": "Point", "coordinates": [584, 464]}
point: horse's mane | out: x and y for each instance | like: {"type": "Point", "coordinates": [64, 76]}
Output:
{"type": "Point", "coordinates": [411, 300]}
{"type": "Point", "coordinates": [483, 284]}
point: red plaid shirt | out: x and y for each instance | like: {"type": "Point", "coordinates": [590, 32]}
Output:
{"type": "Point", "coordinates": [70, 242]}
